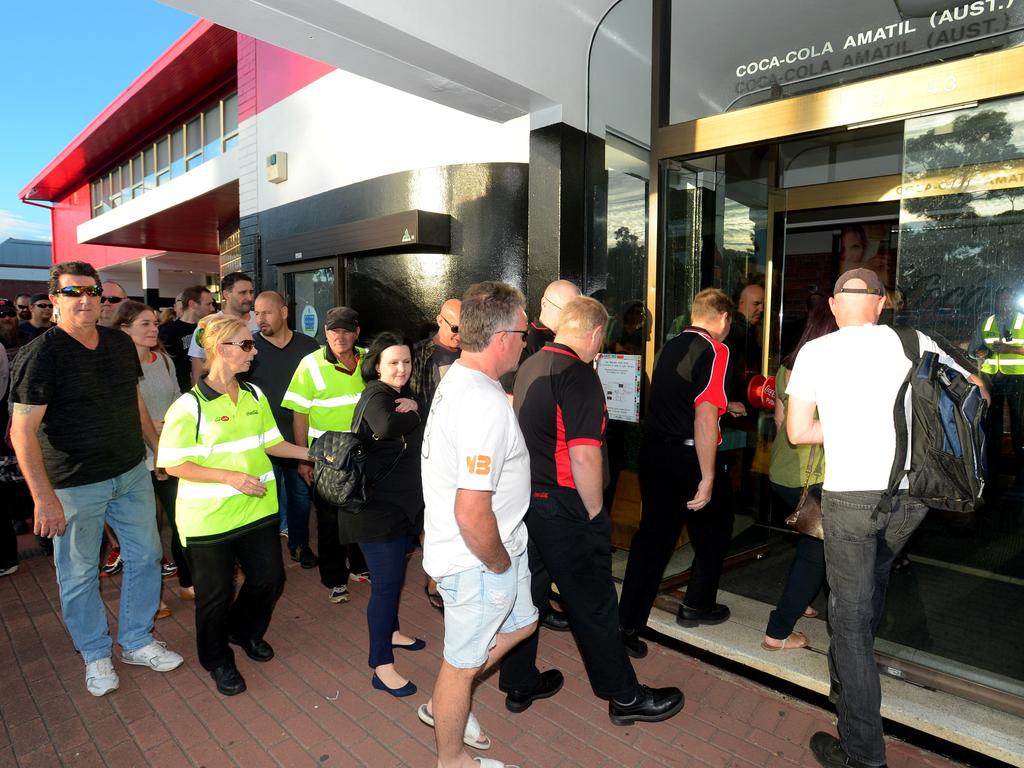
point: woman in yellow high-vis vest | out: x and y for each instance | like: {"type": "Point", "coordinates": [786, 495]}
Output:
{"type": "Point", "coordinates": [215, 440]}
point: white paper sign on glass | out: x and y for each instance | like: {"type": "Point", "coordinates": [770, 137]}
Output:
{"type": "Point", "coordinates": [620, 379]}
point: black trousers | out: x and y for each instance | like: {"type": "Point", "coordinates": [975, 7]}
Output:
{"type": "Point", "coordinates": [219, 612]}
{"type": "Point", "coordinates": [337, 560]}
{"type": "Point", "coordinates": [669, 475]}
{"type": "Point", "coordinates": [1008, 390]}
{"type": "Point", "coordinates": [576, 552]}
{"type": "Point", "coordinates": [167, 492]}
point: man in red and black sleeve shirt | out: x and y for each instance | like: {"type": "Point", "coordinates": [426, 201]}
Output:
{"type": "Point", "coordinates": [677, 473]}
{"type": "Point", "coordinates": [560, 405]}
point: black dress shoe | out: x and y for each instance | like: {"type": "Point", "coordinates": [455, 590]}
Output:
{"type": "Point", "coordinates": [829, 752]}
{"type": "Point", "coordinates": [257, 650]}
{"type": "Point", "coordinates": [691, 617]}
{"type": "Point", "coordinates": [228, 679]}
{"type": "Point", "coordinates": [652, 705]}
{"type": "Point", "coordinates": [635, 647]}
{"type": "Point", "coordinates": [556, 620]}
{"type": "Point", "coordinates": [549, 684]}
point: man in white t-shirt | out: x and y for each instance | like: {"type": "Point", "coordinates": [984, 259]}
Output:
{"type": "Point", "coordinates": [852, 377]}
{"type": "Point", "coordinates": [476, 487]}
{"type": "Point", "coordinates": [238, 295]}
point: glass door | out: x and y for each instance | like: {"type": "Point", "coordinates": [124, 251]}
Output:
{"type": "Point", "coordinates": [954, 601]}
{"type": "Point", "coordinates": [310, 291]}
{"type": "Point", "coordinates": [721, 217]}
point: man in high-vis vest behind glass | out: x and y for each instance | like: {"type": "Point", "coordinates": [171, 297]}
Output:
{"type": "Point", "coordinates": [323, 394]}
{"type": "Point", "coordinates": [999, 349]}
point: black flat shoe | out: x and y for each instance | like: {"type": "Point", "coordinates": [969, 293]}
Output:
{"type": "Point", "coordinates": [257, 650]}
{"type": "Point", "coordinates": [635, 647]}
{"type": "Point", "coordinates": [652, 705]}
{"type": "Point", "coordinates": [549, 684]}
{"type": "Point", "coordinates": [416, 645]}
{"type": "Point", "coordinates": [691, 617]}
{"type": "Point", "coordinates": [556, 620]}
{"type": "Point", "coordinates": [228, 679]}
{"type": "Point", "coordinates": [829, 752]}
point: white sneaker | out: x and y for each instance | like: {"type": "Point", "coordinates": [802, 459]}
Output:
{"type": "Point", "coordinates": [155, 656]}
{"type": "Point", "coordinates": [8, 571]}
{"type": "Point", "coordinates": [100, 677]}
{"type": "Point", "coordinates": [339, 594]}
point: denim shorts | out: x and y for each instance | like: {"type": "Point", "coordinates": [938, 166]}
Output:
{"type": "Point", "coordinates": [479, 604]}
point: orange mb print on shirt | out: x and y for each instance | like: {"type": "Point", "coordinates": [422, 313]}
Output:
{"type": "Point", "coordinates": [479, 465]}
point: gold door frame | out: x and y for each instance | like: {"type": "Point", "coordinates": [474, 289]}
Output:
{"type": "Point", "coordinates": [892, 97]}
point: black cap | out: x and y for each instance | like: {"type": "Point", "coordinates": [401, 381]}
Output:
{"type": "Point", "coordinates": [344, 318]}
{"type": "Point", "coordinates": [40, 297]}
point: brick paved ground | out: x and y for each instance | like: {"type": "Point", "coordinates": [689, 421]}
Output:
{"type": "Point", "coordinates": [313, 704]}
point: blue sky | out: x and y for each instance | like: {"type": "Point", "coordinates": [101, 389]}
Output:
{"type": "Point", "coordinates": [63, 62]}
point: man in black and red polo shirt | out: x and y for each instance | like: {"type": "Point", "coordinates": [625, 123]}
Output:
{"type": "Point", "coordinates": [560, 405]}
{"type": "Point", "coordinates": [677, 473]}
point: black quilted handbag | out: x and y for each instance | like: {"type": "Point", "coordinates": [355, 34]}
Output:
{"type": "Point", "coordinates": [339, 466]}
{"type": "Point", "coordinates": [339, 459]}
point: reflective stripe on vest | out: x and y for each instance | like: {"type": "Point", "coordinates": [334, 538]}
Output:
{"type": "Point", "coordinates": [1007, 363]}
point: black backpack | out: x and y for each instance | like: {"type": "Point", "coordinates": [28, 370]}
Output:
{"type": "Point", "coordinates": [339, 466]}
{"type": "Point", "coordinates": [948, 453]}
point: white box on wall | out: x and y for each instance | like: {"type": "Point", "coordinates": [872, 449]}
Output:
{"type": "Point", "coordinates": [277, 167]}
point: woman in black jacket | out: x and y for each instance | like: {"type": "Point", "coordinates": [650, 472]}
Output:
{"type": "Point", "coordinates": [388, 524]}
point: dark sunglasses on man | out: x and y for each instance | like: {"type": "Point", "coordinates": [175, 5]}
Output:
{"type": "Point", "coordinates": [6, 312]}
{"type": "Point", "coordinates": [43, 305]}
{"type": "Point", "coordinates": [77, 291]}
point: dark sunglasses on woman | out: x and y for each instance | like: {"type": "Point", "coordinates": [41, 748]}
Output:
{"type": "Point", "coordinates": [245, 345]}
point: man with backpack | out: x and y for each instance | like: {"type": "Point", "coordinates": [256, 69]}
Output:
{"type": "Point", "coordinates": [858, 379]}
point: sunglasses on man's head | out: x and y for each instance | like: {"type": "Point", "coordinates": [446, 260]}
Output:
{"type": "Point", "coordinates": [77, 291]}
{"type": "Point", "coordinates": [245, 345]}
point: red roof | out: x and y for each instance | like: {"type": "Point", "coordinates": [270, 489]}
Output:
{"type": "Point", "coordinates": [202, 59]}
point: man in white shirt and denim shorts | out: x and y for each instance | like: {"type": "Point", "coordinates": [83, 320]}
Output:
{"type": "Point", "coordinates": [476, 486]}
{"type": "Point", "coordinates": [852, 377]}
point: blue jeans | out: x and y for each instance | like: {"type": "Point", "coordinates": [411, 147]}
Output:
{"type": "Point", "coordinates": [386, 561]}
{"type": "Point", "coordinates": [859, 549]}
{"type": "Point", "coordinates": [127, 503]}
{"type": "Point", "coordinates": [293, 502]}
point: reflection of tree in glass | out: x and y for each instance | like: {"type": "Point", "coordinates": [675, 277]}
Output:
{"type": "Point", "coordinates": [955, 249]}
{"type": "Point", "coordinates": [976, 138]}
{"type": "Point", "coordinates": [627, 274]}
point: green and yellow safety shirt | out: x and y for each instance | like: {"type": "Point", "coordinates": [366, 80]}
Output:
{"type": "Point", "coordinates": [325, 391]}
{"type": "Point", "coordinates": [1008, 363]}
{"type": "Point", "coordinates": [205, 427]}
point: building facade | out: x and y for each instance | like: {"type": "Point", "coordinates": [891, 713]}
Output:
{"type": "Point", "coordinates": [386, 156]}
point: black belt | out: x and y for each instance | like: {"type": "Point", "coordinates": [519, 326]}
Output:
{"type": "Point", "coordinates": [687, 441]}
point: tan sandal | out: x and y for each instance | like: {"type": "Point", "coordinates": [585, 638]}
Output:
{"type": "Point", "coordinates": [793, 642]}
{"type": "Point", "coordinates": [810, 613]}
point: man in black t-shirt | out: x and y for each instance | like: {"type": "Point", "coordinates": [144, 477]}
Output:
{"type": "Point", "coordinates": [196, 303]}
{"type": "Point", "coordinates": [280, 352]}
{"type": "Point", "coordinates": [78, 427]}
{"type": "Point", "coordinates": [561, 409]}
{"type": "Point", "coordinates": [677, 473]}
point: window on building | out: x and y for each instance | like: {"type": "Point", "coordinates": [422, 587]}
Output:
{"type": "Point", "coordinates": [185, 146]}
{"type": "Point", "coordinates": [163, 160]}
{"type": "Point", "coordinates": [193, 143]}
{"type": "Point", "coordinates": [178, 152]}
